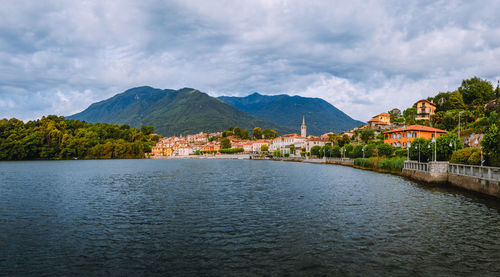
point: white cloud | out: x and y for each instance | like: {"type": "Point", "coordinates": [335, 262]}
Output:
{"type": "Point", "coordinates": [363, 56]}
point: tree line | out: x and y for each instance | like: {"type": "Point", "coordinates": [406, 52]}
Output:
{"type": "Point", "coordinates": [53, 137]}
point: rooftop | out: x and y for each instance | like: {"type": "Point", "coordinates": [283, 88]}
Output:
{"type": "Point", "coordinates": [417, 128]}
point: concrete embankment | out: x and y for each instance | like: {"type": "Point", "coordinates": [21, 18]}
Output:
{"type": "Point", "coordinates": [485, 180]}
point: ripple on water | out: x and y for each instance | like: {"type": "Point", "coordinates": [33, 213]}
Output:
{"type": "Point", "coordinates": [210, 217]}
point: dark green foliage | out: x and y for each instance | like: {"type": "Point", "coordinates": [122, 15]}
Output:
{"type": "Point", "coordinates": [476, 91]}
{"type": "Point", "coordinates": [490, 142]}
{"type": "Point", "coordinates": [422, 146]}
{"type": "Point", "coordinates": [357, 151]}
{"type": "Point", "coordinates": [172, 112]}
{"type": "Point", "coordinates": [231, 150]}
{"type": "Point", "coordinates": [446, 146]}
{"type": "Point", "coordinates": [269, 134]}
{"type": "Point", "coordinates": [315, 150]}
{"type": "Point", "coordinates": [348, 150]}
{"type": "Point", "coordinates": [321, 117]}
{"type": "Point", "coordinates": [264, 148]}
{"type": "Point", "coordinates": [257, 133]}
{"type": "Point", "coordinates": [53, 137]}
{"type": "Point", "coordinates": [335, 151]}
{"type": "Point", "coordinates": [475, 158]}
{"type": "Point", "coordinates": [385, 149]}
{"type": "Point", "coordinates": [370, 150]}
{"type": "Point", "coordinates": [401, 152]}
{"type": "Point", "coordinates": [277, 153]}
{"type": "Point", "coordinates": [325, 151]}
{"type": "Point", "coordinates": [367, 134]}
{"type": "Point", "coordinates": [225, 143]}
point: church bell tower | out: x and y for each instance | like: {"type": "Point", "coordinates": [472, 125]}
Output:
{"type": "Point", "coordinates": [303, 128]}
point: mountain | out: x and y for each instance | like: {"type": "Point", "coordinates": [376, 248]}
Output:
{"type": "Point", "coordinates": [321, 116]}
{"type": "Point", "coordinates": [172, 112]}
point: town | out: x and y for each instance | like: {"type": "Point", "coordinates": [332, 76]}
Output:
{"type": "Point", "coordinates": [394, 133]}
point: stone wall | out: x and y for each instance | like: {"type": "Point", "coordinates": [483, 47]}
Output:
{"type": "Point", "coordinates": [475, 184]}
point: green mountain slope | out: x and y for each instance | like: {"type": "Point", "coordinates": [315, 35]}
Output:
{"type": "Point", "coordinates": [172, 112]}
{"type": "Point", "coordinates": [321, 116]}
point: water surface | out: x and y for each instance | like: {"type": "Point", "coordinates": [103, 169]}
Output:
{"type": "Point", "coordinates": [234, 217]}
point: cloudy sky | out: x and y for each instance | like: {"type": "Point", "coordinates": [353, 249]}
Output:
{"type": "Point", "coordinates": [364, 57]}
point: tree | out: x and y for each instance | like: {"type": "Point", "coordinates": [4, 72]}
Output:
{"type": "Point", "coordinates": [357, 152]}
{"type": "Point", "coordinates": [225, 143]}
{"type": "Point", "coordinates": [367, 135]}
{"type": "Point", "coordinates": [476, 91]}
{"type": "Point", "coordinates": [277, 153]}
{"type": "Point", "coordinates": [237, 131]}
{"type": "Point", "coordinates": [244, 134]}
{"type": "Point", "coordinates": [370, 150]}
{"type": "Point", "coordinates": [257, 133]}
{"type": "Point", "coordinates": [147, 129]}
{"type": "Point", "coordinates": [456, 101]}
{"type": "Point", "coordinates": [335, 151]}
{"type": "Point", "coordinates": [315, 150]}
{"type": "Point", "coordinates": [385, 150]}
{"type": "Point", "coordinates": [394, 113]}
{"type": "Point", "coordinates": [423, 146]}
{"type": "Point", "coordinates": [490, 142]}
{"type": "Point", "coordinates": [446, 144]}
{"type": "Point", "coordinates": [270, 134]}
{"type": "Point", "coordinates": [292, 149]}
{"type": "Point", "coordinates": [264, 148]}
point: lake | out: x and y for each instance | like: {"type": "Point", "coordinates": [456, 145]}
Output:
{"type": "Point", "coordinates": [237, 217]}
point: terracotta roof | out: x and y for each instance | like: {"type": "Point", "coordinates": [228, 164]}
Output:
{"type": "Point", "coordinates": [383, 114]}
{"type": "Point", "coordinates": [425, 100]}
{"type": "Point", "coordinates": [376, 121]}
{"type": "Point", "coordinates": [292, 136]}
{"type": "Point", "coordinates": [417, 128]}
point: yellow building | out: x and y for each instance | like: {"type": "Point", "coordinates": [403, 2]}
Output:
{"type": "Point", "coordinates": [425, 109]}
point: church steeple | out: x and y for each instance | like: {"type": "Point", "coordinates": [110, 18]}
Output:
{"type": "Point", "coordinates": [303, 128]}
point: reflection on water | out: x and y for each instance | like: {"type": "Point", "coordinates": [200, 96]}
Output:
{"type": "Point", "coordinates": [218, 217]}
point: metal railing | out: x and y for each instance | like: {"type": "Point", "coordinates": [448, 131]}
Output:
{"type": "Point", "coordinates": [482, 172]}
{"type": "Point", "coordinates": [414, 165]}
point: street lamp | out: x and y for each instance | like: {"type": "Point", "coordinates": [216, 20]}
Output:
{"type": "Point", "coordinates": [408, 149]}
{"type": "Point", "coordinates": [481, 147]}
{"type": "Point", "coordinates": [363, 149]}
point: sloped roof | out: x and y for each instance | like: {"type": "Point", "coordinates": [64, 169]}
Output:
{"type": "Point", "coordinates": [417, 128]}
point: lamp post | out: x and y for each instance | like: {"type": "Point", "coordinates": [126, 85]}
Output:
{"type": "Point", "coordinates": [363, 150]}
{"type": "Point", "coordinates": [477, 142]}
{"type": "Point", "coordinates": [429, 147]}
{"type": "Point", "coordinates": [408, 149]}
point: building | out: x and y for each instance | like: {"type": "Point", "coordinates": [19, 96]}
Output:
{"type": "Point", "coordinates": [257, 145]}
{"type": "Point", "coordinates": [315, 141]}
{"type": "Point", "coordinates": [401, 136]}
{"type": "Point", "coordinates": [284, 142]}
{"type": "Point", "coordinates": [425, 109]}
{"type": "Point", "coordinates": [303, 128]}
{"type": "Point", "coordinates": [380, 121]}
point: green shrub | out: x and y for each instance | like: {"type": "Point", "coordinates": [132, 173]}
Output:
{"type": "Point", "coordinates": [475, 158]}
{"type": "Point", "coordinates": [401, 153]}
{"type": "Point", "coordinates": [462, 156]}
{"type": "Point", "coordinates": [385, 150]}
{"type": "Point", "coordinates": [287, 155]}
{"type": "Point", "coordinates": [231, 150]}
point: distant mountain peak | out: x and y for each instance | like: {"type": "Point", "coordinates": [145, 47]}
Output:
{"type": "Point", "coordinates": [286, 110]}
{"type": "Point", "coordinates": [172, 112]}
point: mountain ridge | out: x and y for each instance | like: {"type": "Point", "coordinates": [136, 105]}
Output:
{"type": "Point", "coordinates": [286, 110]}
{"type": "Point", "coordinates": [172, 112]}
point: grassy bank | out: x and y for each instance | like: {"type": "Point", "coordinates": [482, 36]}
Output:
{"type": "Point", "coordinates": [387, 165]}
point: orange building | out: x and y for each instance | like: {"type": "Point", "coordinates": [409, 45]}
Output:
{"type": "Point", "coordinates": [380, 120]}
{"type": "Point", "coordinates": [400, 137]}
{"type": "Point", "coordinates": [425, 109]}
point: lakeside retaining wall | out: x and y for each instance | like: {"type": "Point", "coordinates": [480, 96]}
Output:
{"type": "Point", "coordinates": [480, 179]}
